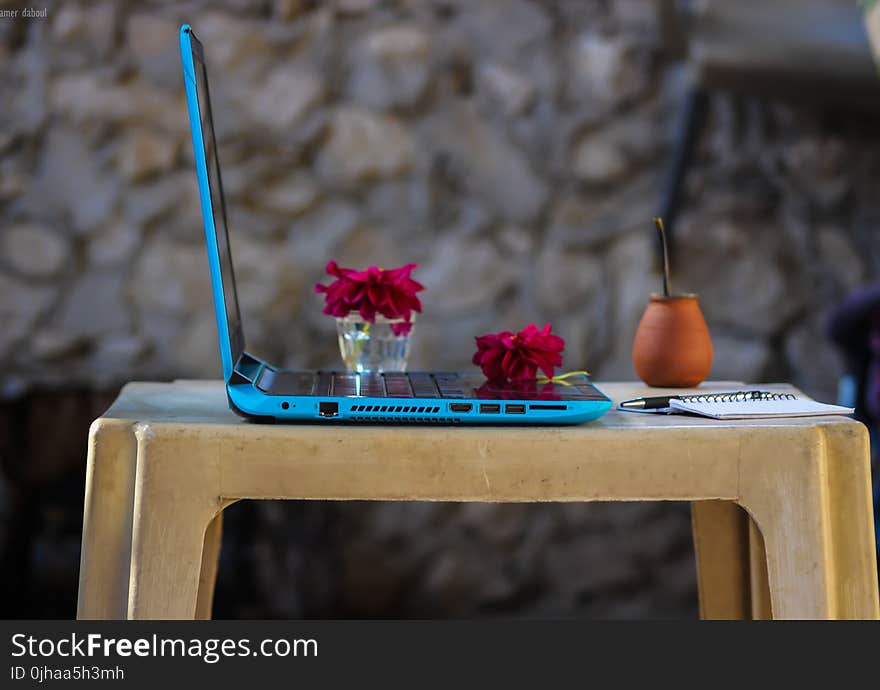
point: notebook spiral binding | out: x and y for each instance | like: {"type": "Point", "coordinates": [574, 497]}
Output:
{"type": "Point", "coordinates": [739, 396]}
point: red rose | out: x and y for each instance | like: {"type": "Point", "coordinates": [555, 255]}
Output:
{"type": "Point", "coordinates": [517, 357]}
{"type": "Point", "coordinates": [391, 293]}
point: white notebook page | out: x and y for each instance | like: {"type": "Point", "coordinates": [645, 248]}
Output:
{"type": "Point", "coordinates": [750, 409]}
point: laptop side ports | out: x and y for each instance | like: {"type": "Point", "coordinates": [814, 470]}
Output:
{"type": "Point", "coordinates": [460, 407]}
{"type": "Point", "coordinates": [515, 409]}
{"type": "Point", "coordinates": [328, 409]}
{"type": "Point", "coordinates": [489, 408]}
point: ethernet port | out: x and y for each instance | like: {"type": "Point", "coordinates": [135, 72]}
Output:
{"type": "Point", "coordinates": [328, 409]}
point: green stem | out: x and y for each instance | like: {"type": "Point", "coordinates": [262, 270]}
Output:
{"type": "Point", "coordinates": [359, 345]}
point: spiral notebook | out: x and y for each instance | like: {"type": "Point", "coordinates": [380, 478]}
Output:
{"type": "Point", "coordinates": [752, 405]}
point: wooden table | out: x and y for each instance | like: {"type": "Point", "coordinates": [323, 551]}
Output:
{"type": "Point", "coordinates": [166, 459]}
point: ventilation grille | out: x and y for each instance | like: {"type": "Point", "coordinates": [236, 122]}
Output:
{"type": "Point", "coordinates": [395, 408]}
{"type": "Point", "coordinates": [381, 413]}
{"type": "Point", "coordinates": [405, 420]}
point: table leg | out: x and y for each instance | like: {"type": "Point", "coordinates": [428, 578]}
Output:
{"type": "Point", "coordinates": [174, 510]}
{"type": "Point", "coordinates": [721, 547]}
{"type": "Point", "coordinates": [107, 520]}
{"type": "Point", "coordinates": [812, 504]}
{"type": "Point", "coordinates": [759, 586]}
{"type": "Point", "coordinates": [208, 572]}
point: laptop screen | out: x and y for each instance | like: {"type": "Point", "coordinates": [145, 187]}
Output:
{"type": "Point", "coordinates": [218, 206]}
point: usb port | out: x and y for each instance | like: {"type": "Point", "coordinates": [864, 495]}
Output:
{"type": "Point", "coordinates": [515, 409]}
{"type": "Point", "coordinates": [328, 409]}
{"type": "Point", "coordinates": [490, 409]}
{"type": "Point", "coordinates": [460, 407]}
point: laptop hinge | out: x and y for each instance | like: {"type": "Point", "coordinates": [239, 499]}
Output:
{"type": "Point", "coordinates": [246, 370]}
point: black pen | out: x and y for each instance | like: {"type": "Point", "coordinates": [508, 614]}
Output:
{"type": "Point", "coordinates": [659, 402]}
{"type": "Point", "coordinates": [654, 403]}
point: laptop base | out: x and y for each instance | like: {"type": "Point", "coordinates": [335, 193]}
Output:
{"type": "Point", "coordinates": [262, 393]}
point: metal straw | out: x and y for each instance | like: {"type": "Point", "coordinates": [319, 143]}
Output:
{"type": "Point", "coordinates": [658, 222]}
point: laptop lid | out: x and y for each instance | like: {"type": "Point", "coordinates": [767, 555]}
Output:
{"type": "Point", "coordinates": [228, 315]}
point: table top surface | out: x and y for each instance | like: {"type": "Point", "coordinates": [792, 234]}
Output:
{"type": "Point", "coordinates": [203, 403]}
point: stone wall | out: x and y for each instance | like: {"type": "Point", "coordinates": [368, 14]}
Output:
{"type": "Point", "coordinates": [515, 149]}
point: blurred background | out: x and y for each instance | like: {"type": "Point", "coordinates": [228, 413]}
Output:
{"type": "Point", "coordinates": [517, 150]}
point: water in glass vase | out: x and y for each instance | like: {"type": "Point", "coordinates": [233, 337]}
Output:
{"type": "Point", "coordinates": [375, 347]}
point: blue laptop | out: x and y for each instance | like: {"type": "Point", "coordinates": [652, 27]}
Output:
{"type": "Point", "coordinates": [262, 392]}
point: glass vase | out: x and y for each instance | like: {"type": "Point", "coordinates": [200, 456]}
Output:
{"type": "Point", "coordinates": [374, 347]}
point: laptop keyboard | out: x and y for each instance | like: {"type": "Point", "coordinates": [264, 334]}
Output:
{"type": "Point", "coordinates": [390, 385]}
{"type": "Point", "coordinates": [447, 385]}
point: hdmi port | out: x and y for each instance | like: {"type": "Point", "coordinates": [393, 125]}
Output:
{"type": "Point", "coordinates": [460, 407]}
{"type": "Point", "coordinates": [490, 409]}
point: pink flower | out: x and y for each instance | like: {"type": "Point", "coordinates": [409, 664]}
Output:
{"type": "Point", "coordinates": [401, 328]}
{"type": "Point", "coordinates": [391, 293]}
{"type": "Point", "coordinates": [517, 357]}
